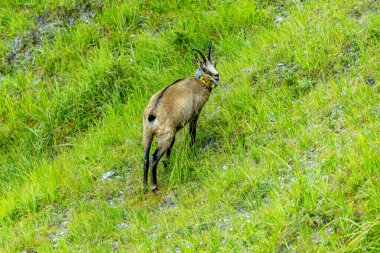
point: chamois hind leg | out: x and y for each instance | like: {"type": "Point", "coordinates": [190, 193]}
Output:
{"type": "Point", "coordinates": [168, 152]}
{"type": "Point", "coordinates": [147, 143]}
{"type": "Point", "coordinates": [163, 145]}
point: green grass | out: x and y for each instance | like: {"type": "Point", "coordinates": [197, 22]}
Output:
{"type": "Point", "coordinates": [288, 145]}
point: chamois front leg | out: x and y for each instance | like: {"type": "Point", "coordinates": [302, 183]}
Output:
{"type": "Point", "coordinates": [193, 130]}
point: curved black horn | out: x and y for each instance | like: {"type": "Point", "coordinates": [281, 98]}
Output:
{"type": "Point", "coordinates": [210, 51]}
{"type": "Point", "coordinates": [203, 57]}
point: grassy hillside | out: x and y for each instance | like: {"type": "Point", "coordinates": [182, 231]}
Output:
{"type": "Point", "coordinates": [288, 146]}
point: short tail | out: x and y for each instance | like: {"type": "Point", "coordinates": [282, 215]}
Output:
{"type": "Point", "coordinates": [151, 118]}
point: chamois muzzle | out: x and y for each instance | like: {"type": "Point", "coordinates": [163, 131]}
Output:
{"type": "Point", "coordinates": [216, 78]}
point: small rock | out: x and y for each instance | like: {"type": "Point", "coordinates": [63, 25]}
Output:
{"type": "Point", "coordinates": [64, 231]}
{"type": "Point", "coordinates": [169, 201]}
{"type": "Point", "coordinates": [29, 251]}
{"type": "Point", "coordinates": [370, 81]}
{"type": "Point", "coordinates": [115, 246]}
{"type": "Point", "coordinates": [36, 36]}
{"type": "Point", "coordinates": [328, 230]}
{"type": "Point", "coordinates": [281, 65]}
{"type": "Point", "coordinates": [317, 238]}
{"type": "Point", "coordinates": [344, 91]}
{"type": "Point", "coordinates": [279, 20]}
{"type": "Point", "coordinates": [248, 70]}
{"type": "Point", "coordinates": [122, 225]}
{"type": "Point", "coordinates": [112, 204]}
{"type": "Point", "coordinates": [13, 53]}
{"type": "Point", "coordinates": [84, 17]}
{"type": "Point", "coordinates": [312, 165]}
{"type": "Point", "coordinates": [107, 175]}
{"type": "Point", "coordinates": [17, 42]}
{"type": "Point", "coordinates": [128, 142]}
{"type": "Point", "coordinates": [64, 223]}
{"type": "Point", "coordinates": [92, 14]}
{"type": "Point", "coordinates": [71, 21]}
{"type": "Point", "coordinates": [209, 143]}
{"type": "Point", "coordinates": [224, 168]}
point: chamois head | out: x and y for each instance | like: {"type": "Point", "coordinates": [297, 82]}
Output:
{"type": "Point", "coordinates": [207, 66]}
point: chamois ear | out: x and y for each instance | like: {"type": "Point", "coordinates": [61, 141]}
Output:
{"type": "Point", "coordinates": [210, 56]}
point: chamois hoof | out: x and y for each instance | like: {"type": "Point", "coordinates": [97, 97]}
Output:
{"type": "Point", "coordinates": [155, 189]}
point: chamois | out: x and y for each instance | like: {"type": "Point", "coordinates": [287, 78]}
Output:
{"type": "Point", "coordinates": [171, 108]}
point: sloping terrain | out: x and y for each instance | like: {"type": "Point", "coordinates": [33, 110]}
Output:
{"type": "Point", "coordinates": [288, 146]}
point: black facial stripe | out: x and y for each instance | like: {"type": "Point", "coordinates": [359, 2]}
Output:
{"type": "Point", "coordinates": [207, 72]}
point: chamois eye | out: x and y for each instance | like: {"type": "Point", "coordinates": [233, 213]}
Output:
{"type": "Point", "coordinates": [207, 71]}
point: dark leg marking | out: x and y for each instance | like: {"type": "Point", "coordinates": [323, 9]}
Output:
{"type": "Point", "coordinates": [146, 166]}
{"type": "Point", "coordinates": [156, 158]}
{"type": "Point", "coordinates": [160, 150]}
{"type": "Point", "coordinates": [193, 130]}
{"type": "Point", "coordinates": [168, 152]}
{"type": "Point", "coordinates": [147, 144]}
